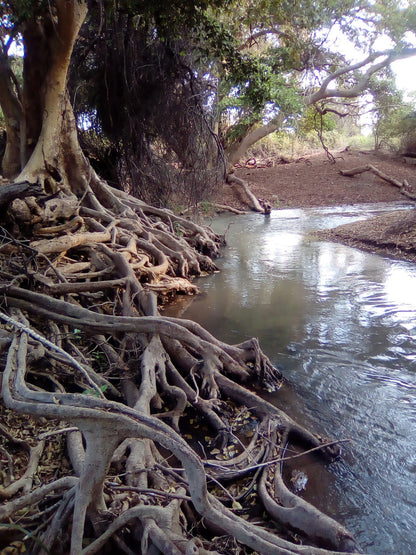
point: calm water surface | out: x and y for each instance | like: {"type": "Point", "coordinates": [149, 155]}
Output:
{"type": "Point", "coordinates": [342, 325]}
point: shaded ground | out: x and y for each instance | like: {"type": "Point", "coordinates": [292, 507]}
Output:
{"type": "Point", "coordinates": [314, 181]}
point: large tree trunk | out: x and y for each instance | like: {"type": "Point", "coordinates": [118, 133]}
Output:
{"type": "Point", "coordinates": [25, 109]}
{"type": "Point", "coordinates": [237, 150]}
{"type": "Point", "coordinates": [36, 64]}
{"type": "Point", "coordinates": [57, 148]}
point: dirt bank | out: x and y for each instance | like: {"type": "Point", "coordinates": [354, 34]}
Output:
{"type": "Point", "coordinates": [314, 181]}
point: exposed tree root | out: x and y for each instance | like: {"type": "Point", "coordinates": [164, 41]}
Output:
{"type": "Point", "coordinates": [164, 443]}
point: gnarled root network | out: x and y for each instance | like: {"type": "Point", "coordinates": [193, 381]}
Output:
{"type": "Point", "coordinates": [125, 430]}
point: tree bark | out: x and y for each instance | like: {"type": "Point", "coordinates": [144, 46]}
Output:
{"type": "Point", "coordinates": [17, 190]}
{"type": "Point", "coordinates": [13, 114]}
{"type": "Point", "coordinates": [237, 150]}
{"type": "Point", "coordinates": [57, 147]}
{"type": "Point", "coordinates": [36, 64]}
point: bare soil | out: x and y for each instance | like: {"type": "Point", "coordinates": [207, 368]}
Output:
{"type": "Point", "coordinates": [315, 181]}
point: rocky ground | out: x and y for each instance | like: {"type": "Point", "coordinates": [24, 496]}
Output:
{"type": "Point", "coordinates": [314, 181]}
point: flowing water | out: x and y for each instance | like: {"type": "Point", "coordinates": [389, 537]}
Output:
{"type": "Point", "coordinates": [341, 323]}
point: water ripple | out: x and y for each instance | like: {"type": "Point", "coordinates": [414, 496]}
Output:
{"type": "Point", "coordinates": [342, 324]}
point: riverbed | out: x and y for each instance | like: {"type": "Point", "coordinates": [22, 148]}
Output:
{"type": "Point", "coordinates": [341, 323]}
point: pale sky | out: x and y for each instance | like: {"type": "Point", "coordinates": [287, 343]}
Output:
{"type": "Point", "coordinates": [405, 72]}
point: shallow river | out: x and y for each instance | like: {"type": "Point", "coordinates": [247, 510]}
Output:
{"type": "Point", "coordinates": [341, 324]}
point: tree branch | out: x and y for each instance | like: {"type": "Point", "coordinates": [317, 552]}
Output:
{"type": "Point", "coordinates": [323, 92]}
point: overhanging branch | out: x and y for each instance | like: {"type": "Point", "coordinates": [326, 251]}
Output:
{"type": "Point", "coordinates": [389, 57]}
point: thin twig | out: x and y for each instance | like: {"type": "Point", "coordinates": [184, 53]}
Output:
{"type": "Point", "coordinates": [283, 459]}
{"type": "Point", "coordinates": [149, 491]}
{"type": "Point", "coordinates": [56, 432]}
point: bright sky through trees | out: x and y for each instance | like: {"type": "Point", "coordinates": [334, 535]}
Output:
{"type": "Point", "coordinates": [405, 72]}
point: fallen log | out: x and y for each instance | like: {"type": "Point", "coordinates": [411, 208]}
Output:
{"type": "Point", "coordinates": [226, 208]}
{"type": "Point", "coordinates": [243, 189]}
{"type": "Point", "coordinates": [404, 186]}
{"type": "Point", "coordinates": [218, 208]}
{"type": "Point", "coordinates": [12, 191]}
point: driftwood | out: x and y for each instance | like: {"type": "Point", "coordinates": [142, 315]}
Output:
{"type": "Point", "coordinates": [227, 208]}
{"type": "Point", "coordinates": [241, 186]}
{"type": "Point", "coordinates": [253, 163]}
{"type": "Point", "coordinates": [244, 190]}
{"type": "Point", "coordinates": [404, 186]}
{"type": "Point", "coordinates": [218, 208]}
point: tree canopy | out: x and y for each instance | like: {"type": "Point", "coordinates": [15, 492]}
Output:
{"type": "Point", "coordinates": [236, 70]}
{"type": "Point", "coordinates": [301, 65]}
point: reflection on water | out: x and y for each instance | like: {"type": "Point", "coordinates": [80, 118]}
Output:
{"type": "Point", "coordinates": [342, 324]}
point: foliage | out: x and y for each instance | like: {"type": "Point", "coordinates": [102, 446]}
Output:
{"type": "Point", "coordinates": [390, 109]}
{"type": "Point", "coordinates": [288, 42]}
{"type": "Point", "coordinates": [311, 118]}
{"type": "Point", "coordinates": [148, 103]}
{"type": "Point", "coordinates": [407, 128]}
